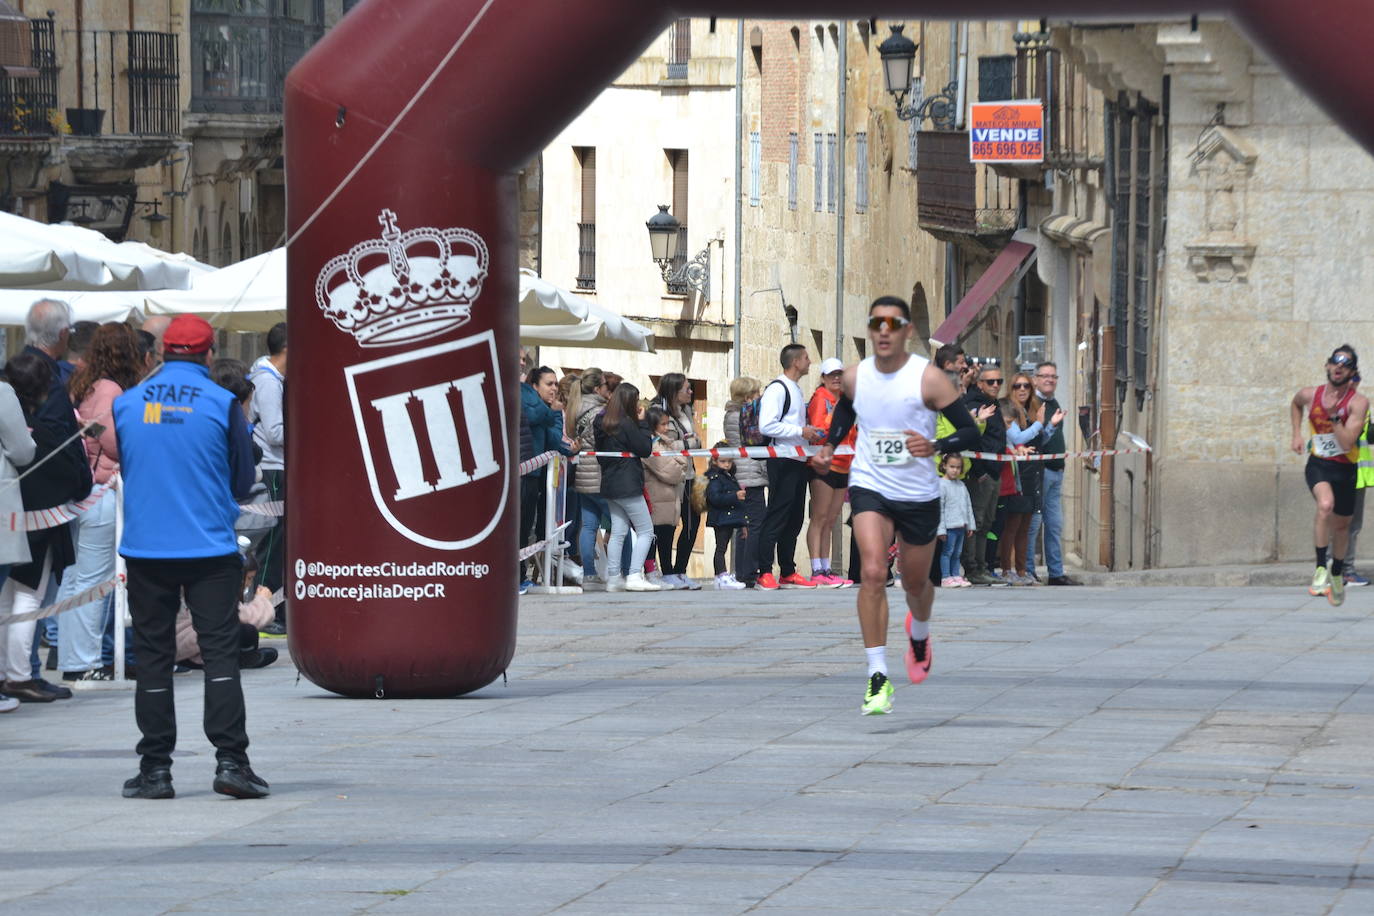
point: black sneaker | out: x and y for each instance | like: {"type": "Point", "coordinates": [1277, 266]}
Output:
{"type": "Point", "coordinates": [239, 781]}
{"type": "Point", "coordinates": [257, 658]}
{"type": "Point", "coordinates": [156, 783]}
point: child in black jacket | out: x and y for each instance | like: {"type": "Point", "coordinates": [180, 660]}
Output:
{"type": "Point", "coordinates": [724, 512]}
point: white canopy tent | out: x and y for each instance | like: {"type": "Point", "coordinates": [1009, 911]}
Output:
{"type": "Point", "coordinates": [247, 296]}
{"type": "Point", "coordinates": [41, 256]}
{"type": "Point", "coordinates": [553, 317]}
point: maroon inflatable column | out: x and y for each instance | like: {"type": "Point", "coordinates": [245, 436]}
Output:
{"type": "Point", "coordinates": [403, 399]}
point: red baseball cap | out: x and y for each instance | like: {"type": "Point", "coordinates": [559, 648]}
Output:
{"type": "Point", "coordinates": [188, 334]}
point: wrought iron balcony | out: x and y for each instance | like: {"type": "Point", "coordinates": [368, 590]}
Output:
{"type": "Point", "coordinates": [586, 255]}
{"type": "Point", "coordinates": [957, 201]}
{"type": "Point", "coordinates": [28, 104]}
{"type": "Point", "coordinates": [241, 51]}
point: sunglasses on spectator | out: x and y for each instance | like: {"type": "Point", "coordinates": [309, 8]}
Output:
{"type": "Point", "coordinates": [887, 323]}
{"type": "Point", "coordinates": [1020, 385]}
{"type": "Point", "coordinates": [990, 381]}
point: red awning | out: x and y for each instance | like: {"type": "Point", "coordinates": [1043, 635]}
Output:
{"type": "Point", "coordinates": [986, 287]}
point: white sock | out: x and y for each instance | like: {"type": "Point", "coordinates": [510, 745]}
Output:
{"type": "Point", "coordinates": [877, 659]}
{"type": "Point", "coordinates": [920, 629]}
{"type": "Point", "coordinates": [819, 565]}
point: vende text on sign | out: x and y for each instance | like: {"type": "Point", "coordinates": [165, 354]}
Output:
{"type": "Point", "coordinates": [1007, 131]}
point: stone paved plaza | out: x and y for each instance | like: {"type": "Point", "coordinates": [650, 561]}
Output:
{"type": "Point", "coordinates": [1090, 750]}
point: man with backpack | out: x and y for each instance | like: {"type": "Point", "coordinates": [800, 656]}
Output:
{"type": "Point", "coordinates": [782, 418]}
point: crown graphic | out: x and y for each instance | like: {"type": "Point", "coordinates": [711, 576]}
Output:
{"type": "Point", "coordinates": [404, 286]}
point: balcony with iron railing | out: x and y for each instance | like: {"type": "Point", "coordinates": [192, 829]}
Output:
{"type": "Point", "coordinates": [28, 102]}
{"type": "Point", "coordinates": [586, 256]}
{"type": "Point", "coordinates": [241, 51]}
{"type": "Point", "coordinates": [958, 201]}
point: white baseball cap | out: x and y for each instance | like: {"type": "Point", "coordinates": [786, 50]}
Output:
{"type": "Point", "coordinates": [831, 365]}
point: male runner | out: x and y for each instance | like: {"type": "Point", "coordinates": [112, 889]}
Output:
{"type": "Point", "coordinates": [893, 483]}
{"type": "Point", "coordinates": [1337, 414]}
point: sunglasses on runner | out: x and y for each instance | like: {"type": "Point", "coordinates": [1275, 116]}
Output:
{"type": "Point", "coordinates": [1339, 358]}
{"type": "Point", "coordinates": [887, 323]}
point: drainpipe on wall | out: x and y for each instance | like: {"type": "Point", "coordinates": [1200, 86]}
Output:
{"type": "Point", "coordinates": [840, 83]}
{"type": "Point", "coordinates": [963, 74]}
{"type": "Point", "coordinates": [739, 175]}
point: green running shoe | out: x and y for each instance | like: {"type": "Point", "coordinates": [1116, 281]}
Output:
{"type": "Point", "coordinates": [1321, 582]}
{"type": "Point", "coordinates": [1335, 591]}
{"type": "Point", "coordinates": [878, 696]}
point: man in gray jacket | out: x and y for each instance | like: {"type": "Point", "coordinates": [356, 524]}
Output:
{"type": "Point", "coordinates": [268, 376]}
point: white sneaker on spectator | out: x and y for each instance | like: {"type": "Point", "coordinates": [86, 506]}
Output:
{"type": "Point", "coordinates": [635, 582]}
{"type": "Point", "coordinates": [571, 571]}
{"type": "Point", "coordinates": [8, 704]}
{"type": "Point", "coordinates": [593, 584]}
{"type": "Point", "coordinates": [682, 581]}
{"type": "Point", "coordinates": [725, 581]}
{"type": "Point", "coordinates": [615, 584]}
{"type": "Point", "coordinates": [657, 578]}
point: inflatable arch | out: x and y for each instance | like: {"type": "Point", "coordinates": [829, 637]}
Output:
{"type": "Point", "coordinates": [404, 126]}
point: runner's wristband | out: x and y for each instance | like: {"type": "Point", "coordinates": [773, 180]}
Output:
{"type": "Point", "coordinates": [841, 421]}
{"type": "Point", "coordinates": [965, 435]}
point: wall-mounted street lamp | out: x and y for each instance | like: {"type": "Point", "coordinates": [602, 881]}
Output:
{"type": "Point", "coordinates": [664, 237]}
{"type": "Point", "coordinates": [899, 57]}
{"type": "Point", "coordinates": [153, 216]}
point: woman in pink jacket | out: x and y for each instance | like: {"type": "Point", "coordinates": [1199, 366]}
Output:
{"type": "Point", "coordinates": [112, 364]}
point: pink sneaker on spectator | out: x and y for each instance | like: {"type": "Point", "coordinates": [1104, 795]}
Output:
{"type": "Point", "coordinates": [963, 583]}
{"type": "Point", "coordinates": [949, 582]}
{"type": "Point", "coordinates": [828, 580]}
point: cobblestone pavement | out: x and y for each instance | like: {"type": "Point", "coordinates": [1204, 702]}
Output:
{"type": "Point", "coordinates": [1152, 750]}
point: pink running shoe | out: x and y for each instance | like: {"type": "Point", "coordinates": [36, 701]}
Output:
{"type": "Point", "coordinates": [918, 655]}
{"type": "Point", "coordinates": [828, 580]}
{"type": "Point", "coordinates": [796, 580]}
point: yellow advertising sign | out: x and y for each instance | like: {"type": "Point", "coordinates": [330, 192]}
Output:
{"type": "Point", "coordinates": [1007, 131]}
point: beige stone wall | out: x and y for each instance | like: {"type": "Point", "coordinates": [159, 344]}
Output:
{"type": "Point", "coordinates": [1236, 351]}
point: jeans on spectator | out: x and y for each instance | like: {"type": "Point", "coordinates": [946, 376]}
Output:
{"type": "Point", "coordinates": [211, 588]}
{"type": "Point", "coordinates": [532, 511]}
{"type": "Point", "coordinates": [17, 640]}
{"type": "Point", "coordinates": [628, 514]}
{"type": "Point", "coordinates": [747, 540]}
{"type": "Point", "coordinates": [949, 552]}
{"type": "Point", "coordinates": [79, 637]}
{"type": "Point", "coordinates": [1050, 520]}
{"type": "Point", "coordinates": [591, 507]}
{"type": "Point", "coordinates": [983, 494]}
{"type": "Point", "coordinates": [787, 481]}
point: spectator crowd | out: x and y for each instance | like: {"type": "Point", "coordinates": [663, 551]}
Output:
{"type": "Point", "coordinates": [634, 517]}
{"type": "Point", "coordinates": [58, 446]}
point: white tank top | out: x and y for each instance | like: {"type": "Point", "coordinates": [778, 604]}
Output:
{"type": "Point", "coordinates": [886, 406]}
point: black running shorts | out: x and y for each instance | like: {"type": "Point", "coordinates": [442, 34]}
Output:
{"type": "Point", "coordinates": [1340, 475]}
{"type": "Point", "coordinates": [917, 523]}
{"type": "Point", "coordinates": [835, 480]}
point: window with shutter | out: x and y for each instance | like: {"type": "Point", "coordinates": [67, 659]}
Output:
{"type": "Point", "coordinates": [817, 171]}
{"type": "Point", "coordinates": [677, 158]}
{"type": "Point", "coordinates": [755, 166]}
{"type": "Point", "coordinates": [861, 172]}
{"type": "Point", "coordinates": [793, 144]}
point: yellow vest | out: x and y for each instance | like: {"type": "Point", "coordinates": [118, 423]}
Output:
{"type": "Point", "coordinates": [1365, 474]}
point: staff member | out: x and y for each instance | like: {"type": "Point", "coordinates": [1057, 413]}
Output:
{"type": "Point", "coordinates": [186, 456]}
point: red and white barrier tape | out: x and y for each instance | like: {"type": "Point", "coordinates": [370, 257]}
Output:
{"type": "Point", "coordinates": [94, 593]}
{"type": "Point", "coordinates": [804, 451]}
{"type": "Point", "coordinates": [540, 545]}
{"type": "Point", "coordinates": [537, 462]}
{"type": "Point", "coordinates": [41, 519]}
